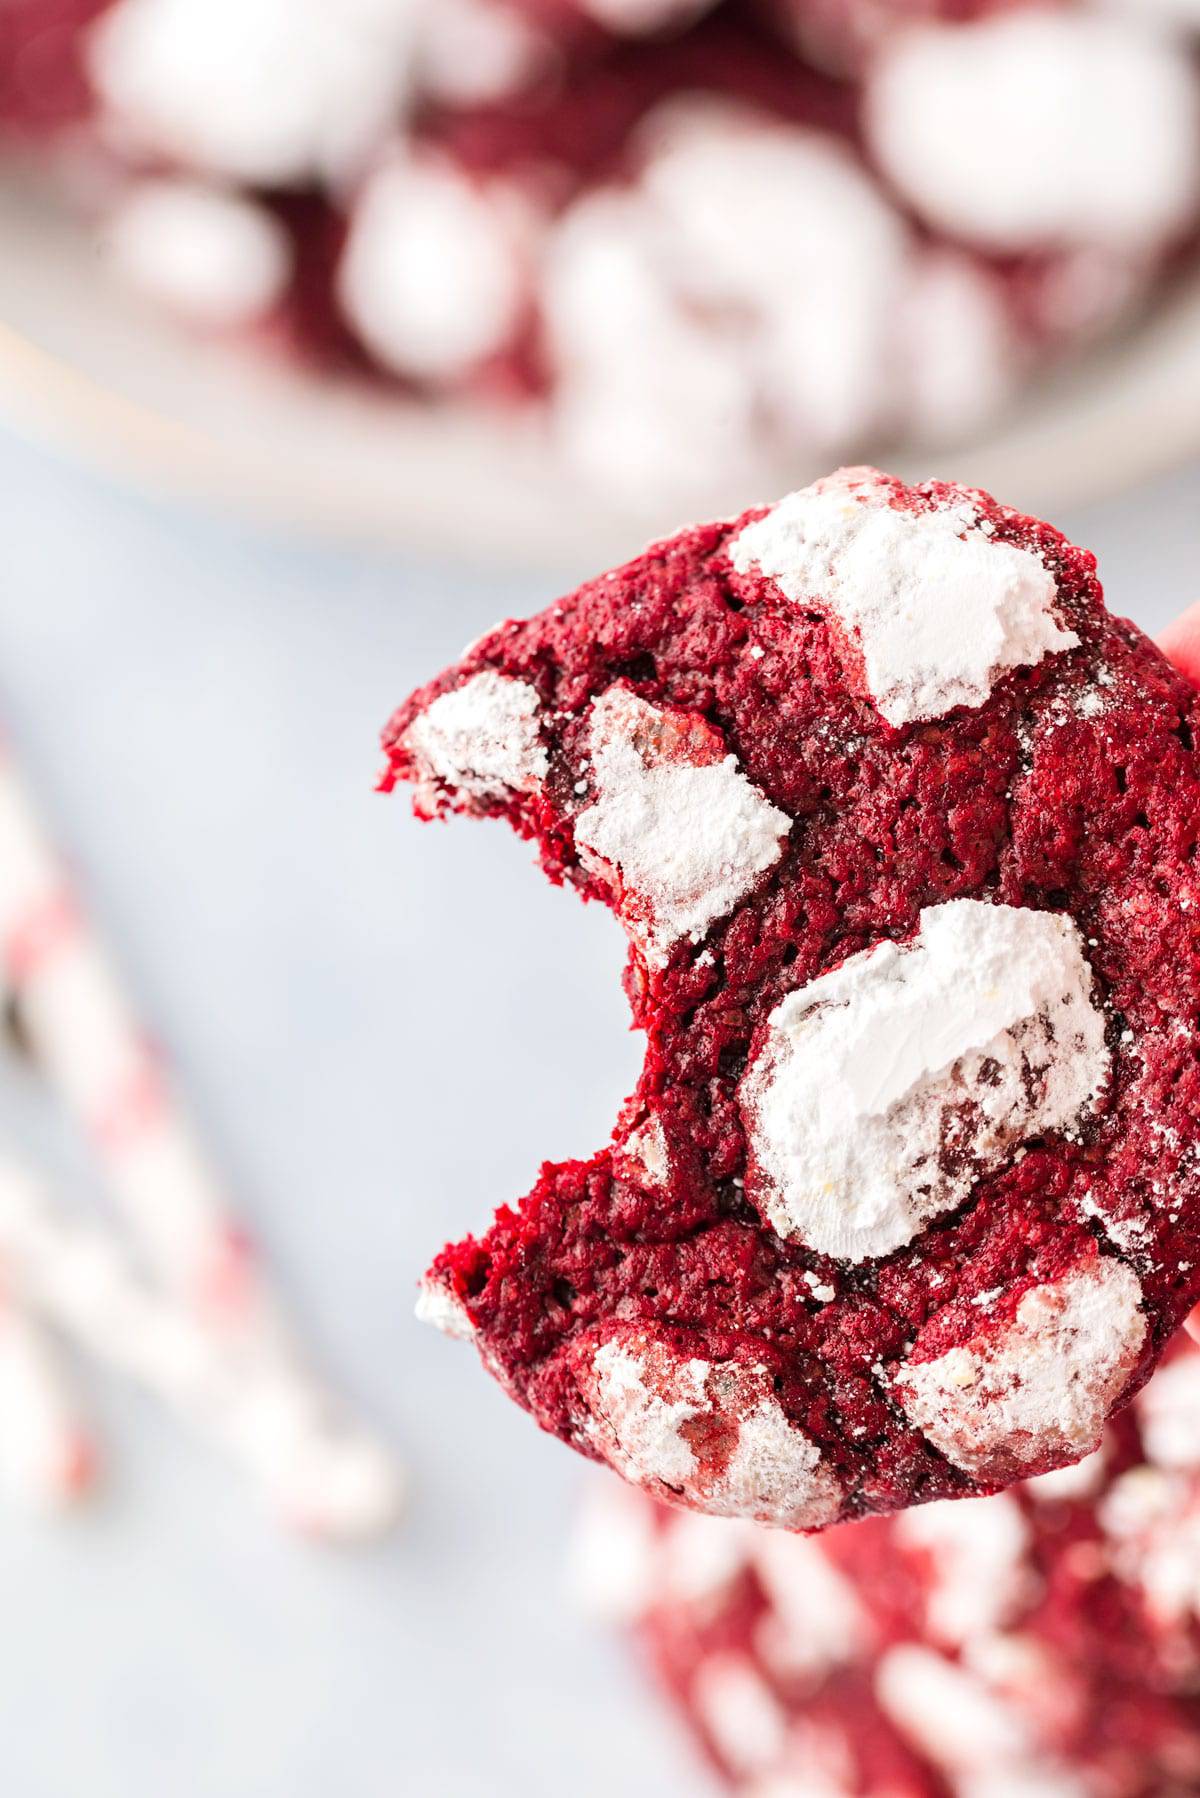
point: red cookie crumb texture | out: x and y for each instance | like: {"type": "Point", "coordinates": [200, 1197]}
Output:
{"type": "Point", "coordinates": [1042, 1641]}
{"type": "Point", "coordinates": [902, 826]}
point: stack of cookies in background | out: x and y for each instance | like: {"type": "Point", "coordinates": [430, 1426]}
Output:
{"type": "Point", "coordinates": [680, 235]}
{"type": "Point", "coordinates": [1043, 1643]}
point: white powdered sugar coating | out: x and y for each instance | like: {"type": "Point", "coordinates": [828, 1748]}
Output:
{"type": "Point", "coordinates": [271, 92]}
{"type": "Point", "coordinates": [818, 1763]}
{"type": "Point", "coordinates": [1168, 1411]}
{"type": "Point", "coordinates": [648, 394]}
{"type": "Point", "coordinates": [775, 1473]}
{"type": "Point", "coordinates": [644, 1154]}
{"type": "Point", "coordinates": [432, 277]}
{"type": "Point", "coordinates": [1170, 1568]}
{"type": "Point", "coordinates": [1039, 1387]}
{"type": "Point", "coordinates": [1152, 1519]}
{"type": "Point", "coordinates": [480, 740]}
{"type": "Point", "coordinates": [1137, 1504]}
{"type": "Point", "coordinates": [815, 1620]}
{"type": "Point", "coordinates": [977, 1549]}
{"type": "Point", "coordinates": [471, 51]}
{"type": "Point", "coordinates": [884, 1090]}
{"type": "Point", "coordinates": [645, 1395]}
{"type": "Point", "coordinates": [948, 1714]}
{"type": "Point", "coordinates": [645, 1416]}
{"type": "Point", "coordinates": [745, 292]}
{"type": "Point", "coordinates": [214, 258]}
{"type": "Point", "coordinates": [937, 607]}
{"type": "Point", "coordinates": [437, 1306]}
{"type": "Point", "coordinates": [685, 839]}
{"type": "Point", "coordinates": [783, 228]}
{"type": "Point", "coordinates": [1039, 128]}
{"type": "Point", "coordinates": [739, 1712]}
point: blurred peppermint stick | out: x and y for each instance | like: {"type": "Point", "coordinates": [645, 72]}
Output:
{"type": "Point", "coordinates": [189, 1272]}
{"type": "Point", "coordinates": [322, 1475]}
{"type": "Point", "coordinates": [47, 1455]}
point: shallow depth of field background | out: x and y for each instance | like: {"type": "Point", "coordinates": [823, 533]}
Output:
{"type": "Point", "coordinates": [383, 1028]}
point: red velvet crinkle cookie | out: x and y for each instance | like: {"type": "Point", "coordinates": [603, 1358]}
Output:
{"type": "Point", "coordinates": [901, 826]}
{"type": "Point", "coordinates": [1040, 1643]}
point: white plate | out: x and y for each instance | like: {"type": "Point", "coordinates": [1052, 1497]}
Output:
{"type": "Point", "coordinates": [85, 364]}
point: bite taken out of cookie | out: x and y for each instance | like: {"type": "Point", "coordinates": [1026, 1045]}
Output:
{"type": "Point", "coordinates": [901, 826]}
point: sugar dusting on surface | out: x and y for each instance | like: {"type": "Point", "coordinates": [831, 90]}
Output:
{"type": "Point", "coordinates": [645, 1417]}
{"type": "Point", "coordinates": [472, 51]}
{"type": "Point", "coordinates": [686, 838]}
{"type": "Point", "coordinates": [481, 740]}
{"type": "Point", "coordinates": [1038, 128]}
{"type": "Point", "coordinates": [815, 1621]}
{"type": "Point", "coordinates": [1039, 1387]}
{"type": "Point", "coordinates": [740, 1713]}
{"type": "Point", "coordinates": [1152, 1520]}
{"type": "Point", "coordinates": [438, 1307]}
{"type": "Point", "coordinates": [939, 608]}
{"type": "Point", "coordinates": [1169, 1414]}
{"type": "Point", "coordinates": [650, 1407]}
{"type": "Point", "coordinates": [976, 1549]}
{"type": "Point", "coordinates": [217, 259]}
{"type": "Point", "coordinates": [986, 1746]}
{"type": "Point", "coordinates": [884, 1089]}
{"type": "Point", "coordinates": [746, 289]}
{"type": "Point", "coordinates": [644, 1154]}
{"type": "Point", "coordinates": [269, 92]}
{"type": "Point", "coordinates": [432, 275]}
{"type": "Point", "coordinates": [946, 1712]}
{"type": "Point", "coordinates": [636, 18]}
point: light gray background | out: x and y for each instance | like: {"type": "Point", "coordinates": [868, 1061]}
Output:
{"type": "Point", "coordinates": [384, 1030]}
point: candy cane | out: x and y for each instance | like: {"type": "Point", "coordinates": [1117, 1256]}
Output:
{"type": "Point", "coordinates": [84, 1037]}
{"type": "Point", "coordinates": [321, 1476]}
{"type": "Point", "coordinates": [47, 1457]}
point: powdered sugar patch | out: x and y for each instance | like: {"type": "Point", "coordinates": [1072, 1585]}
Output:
{"type": "Point", "coordinates": [480, 740]}
{"type": "Point", "coordinates": [978, 1551]}
{"type": "Point", "coordinates": [1169, 1413]}
{"type": "Point", "coordinates": [437, 1306]}
{"type": "Point", "coordinates": [1039, 1387]}
{"type": "Point", "coordinates": [268, 92]}
{"type": "Point", "coordinates": [740, 1712]}
{"type": "Point", "coordinates": [432, 276]}
{"type": "Point", "coordinates": [939, 609]}
{"type": "Point", "coordinates": [687, 838]}
{"type": "Point", "coordinates": [885, 1089]}
{"type": "Point", "coordinates": [214, 258]}
{"type": "Point", "coordinates": [1040, 127]}
{"type": "Point", "coordinates": [947, 1713]}
{"type": "Point", "coordinates": [645, 1395]}
{"type": "Point", "coordinates": [815, 1621]}
{"type": "Point", "coordinates": [644, 1155]}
